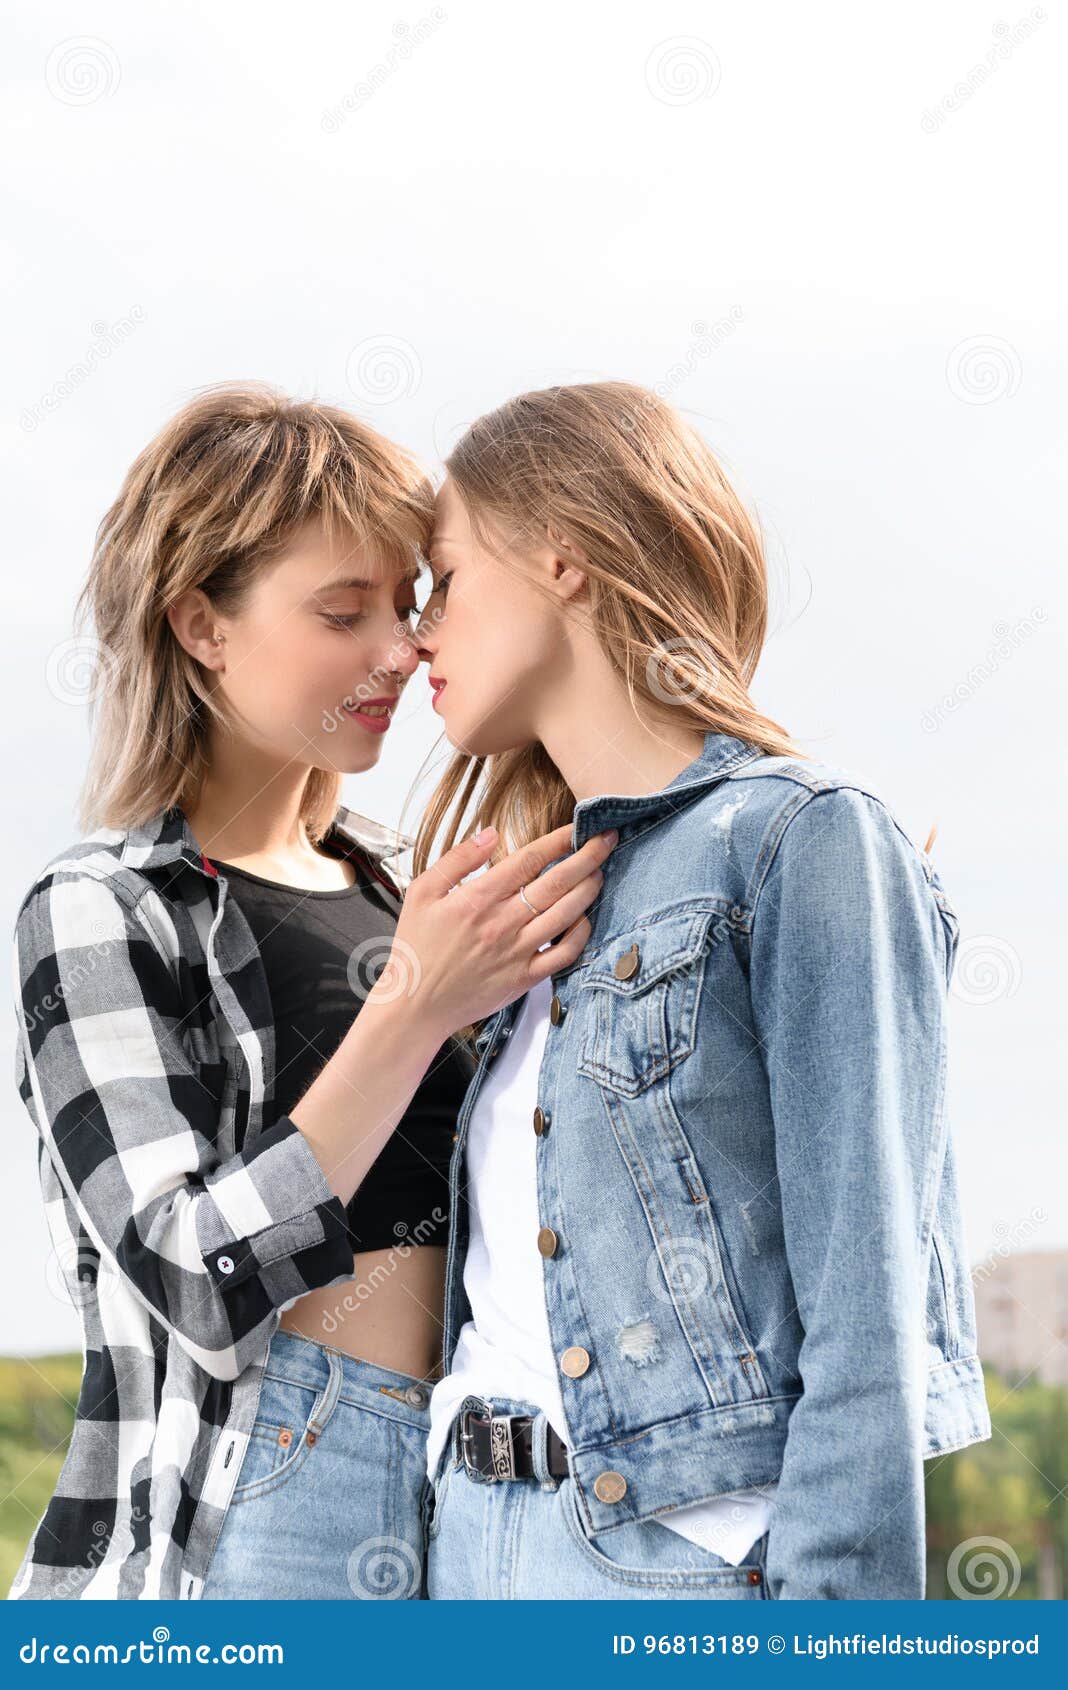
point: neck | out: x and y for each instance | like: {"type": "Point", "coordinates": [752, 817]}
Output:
{"type": "Point", "coordinates": [600, 743]}
{"type": "Point", "coordinates": [250, 805]}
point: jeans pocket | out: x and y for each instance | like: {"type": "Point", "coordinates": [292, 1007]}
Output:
{"type": "Point", "coordinates": [646, 1555]}
{"type": "Point", "coordinates": [290, 1419]}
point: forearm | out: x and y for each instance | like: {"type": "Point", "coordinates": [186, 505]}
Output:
{"type": "Point", "coordinates": [355, 1102]}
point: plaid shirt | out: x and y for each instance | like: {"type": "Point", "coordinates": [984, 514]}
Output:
{"type": "Point", "coordinates": [181, 1223]}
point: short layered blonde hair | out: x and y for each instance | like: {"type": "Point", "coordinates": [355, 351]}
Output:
{"type": "Point", "coordinates": [215, 496]}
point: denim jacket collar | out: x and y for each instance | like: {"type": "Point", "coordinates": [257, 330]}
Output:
{"type": "Point", "coordinates": [720, 756]}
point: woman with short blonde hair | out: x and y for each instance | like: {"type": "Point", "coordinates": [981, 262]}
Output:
{"type": "Point", "coordinates": [237, 1042]}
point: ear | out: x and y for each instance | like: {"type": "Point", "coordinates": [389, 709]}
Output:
{"type": "Point", "coordinates": [571, 552]}
{"type": "Point", "coordinates": [193, 624]}
{"type": "Point", "coordinates": [569, 575]}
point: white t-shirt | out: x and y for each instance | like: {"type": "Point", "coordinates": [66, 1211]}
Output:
{"type": "Point", "coordinates": [506, 1349]}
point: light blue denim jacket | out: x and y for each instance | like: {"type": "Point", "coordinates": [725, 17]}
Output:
{"type": "Point", "coordinates": [760, 1268]}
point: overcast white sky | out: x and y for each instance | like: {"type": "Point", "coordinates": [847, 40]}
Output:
{"type": "Point", "coordinates": [834, 239]}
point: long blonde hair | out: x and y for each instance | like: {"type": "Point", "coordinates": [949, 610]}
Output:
{"type": "Point", "coordinates": [216, 495]}
{"type": "Point", "coordinates": [678, 583]}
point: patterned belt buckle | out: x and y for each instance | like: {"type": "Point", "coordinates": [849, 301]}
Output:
{"type": "Point", "coordinates": [502, 1451]}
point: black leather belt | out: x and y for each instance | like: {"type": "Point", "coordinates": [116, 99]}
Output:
{"type": "Point", "coordinates": [499, 1446]}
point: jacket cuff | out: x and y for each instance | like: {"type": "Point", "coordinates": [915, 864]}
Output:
{"type": "Point", "coordinates": [268, 1202]}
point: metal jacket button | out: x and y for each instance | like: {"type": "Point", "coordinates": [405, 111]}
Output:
{"type": "Point", "coordinates": [541, 1121]}
{"type": "Point", "coordinates": [547, 1241]}
{"type": "Point", "coordinates": [556, 1011]}
{"type": "Point", "coordinates": [627, 964]}
{"type": "Point", "coordinates": [609, 1487]}
{"type": "Point", "coordinates": [575, 1361]}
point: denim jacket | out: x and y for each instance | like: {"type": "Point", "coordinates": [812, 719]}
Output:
{"type": "Point", "coordinates": [753, 1254]}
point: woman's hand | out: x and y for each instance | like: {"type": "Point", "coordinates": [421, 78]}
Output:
{"type": "Point", "coordinates": [465, 948]}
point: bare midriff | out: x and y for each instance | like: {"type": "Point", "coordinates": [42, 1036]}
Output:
{"type": "Point", "coordinates": [389, 1313]}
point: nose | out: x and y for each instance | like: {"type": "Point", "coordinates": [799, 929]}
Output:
{"type": "Point", "coordinates": [424, 638]}
{"type": "Point", "coordinates": [397, 654]}
{"type": "Point", "coordinates": [404, 655]}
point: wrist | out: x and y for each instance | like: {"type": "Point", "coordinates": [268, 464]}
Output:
{"type": "Point", "coordinates": [405, 1017]}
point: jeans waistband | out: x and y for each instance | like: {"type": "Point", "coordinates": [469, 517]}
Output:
{"type": "Point", "coordinates": [365, 1384]}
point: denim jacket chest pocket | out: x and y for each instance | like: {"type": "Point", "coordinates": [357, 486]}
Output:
{"type": "Point", "coordinates": [639, 1000]}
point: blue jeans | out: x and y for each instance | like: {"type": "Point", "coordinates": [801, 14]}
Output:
{"type": "Point", "coordinates": [329, 1500]}
{"type": "Point", "coordinates": [522, 1539]}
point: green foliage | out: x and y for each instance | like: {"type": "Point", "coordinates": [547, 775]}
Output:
{"type": "Point", "coordinates": [1010, 1489]}
{"type": "Point", "coordinates": [37, 1400]}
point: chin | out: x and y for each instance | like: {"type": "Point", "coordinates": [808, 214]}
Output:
{"type": "Point", "coordinates": [355, 760]}
{"type": "Point", "coordinates": [486, 739]}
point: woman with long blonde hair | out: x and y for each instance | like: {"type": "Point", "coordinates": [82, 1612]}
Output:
{"type": "Point", "coordinates": [707, 1303]}
{"type": "Point", "coordinates": [236, 1042]}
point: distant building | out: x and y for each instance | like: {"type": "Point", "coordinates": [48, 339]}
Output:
{"type": "Point", "coordinates": [1021, 1306]}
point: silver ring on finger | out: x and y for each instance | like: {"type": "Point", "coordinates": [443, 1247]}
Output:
{"type": "Point", "coordinates": [526, 900]}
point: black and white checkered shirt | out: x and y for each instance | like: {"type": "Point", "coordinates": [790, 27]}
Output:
{"type": "Point", "coordinates": [182, 1225]}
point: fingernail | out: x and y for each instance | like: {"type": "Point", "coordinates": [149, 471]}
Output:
{"type": "Point", "coordinates": [487, 834]}
{"type": "Point", "coordinates": [611, 836]}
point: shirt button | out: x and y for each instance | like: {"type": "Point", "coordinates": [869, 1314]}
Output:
{"type": "Point", "coordinates": [556, 1011]}
{"type": "Point", "coordinates": [627, 965]}
{"type": "Point", "coordinates": [225, 1264]}
{"type": "Point", "coordinates": [547, 1241]}
{"type": "Point", "coordinates": [575, 1361]}
{"type": "Point", "coordinates": [541, 1122]}
{"type": "Point", "coordinates": [609, 1487]}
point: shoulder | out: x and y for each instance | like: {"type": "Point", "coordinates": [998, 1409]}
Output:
{"type": "Point", "coordinates": [82, 890]}
{"type": "Point", "coordinates": [823, 826]}
{"type": "Point", "coordinates": [815, 804]}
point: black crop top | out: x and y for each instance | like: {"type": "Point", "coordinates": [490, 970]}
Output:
{"type": "Point", "coordinates": [322, 952]}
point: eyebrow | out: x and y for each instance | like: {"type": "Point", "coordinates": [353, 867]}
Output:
{"type": "Point", "coordinates": [356, 581]}
{"type": "Point", "coordinates": [347, 581]}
